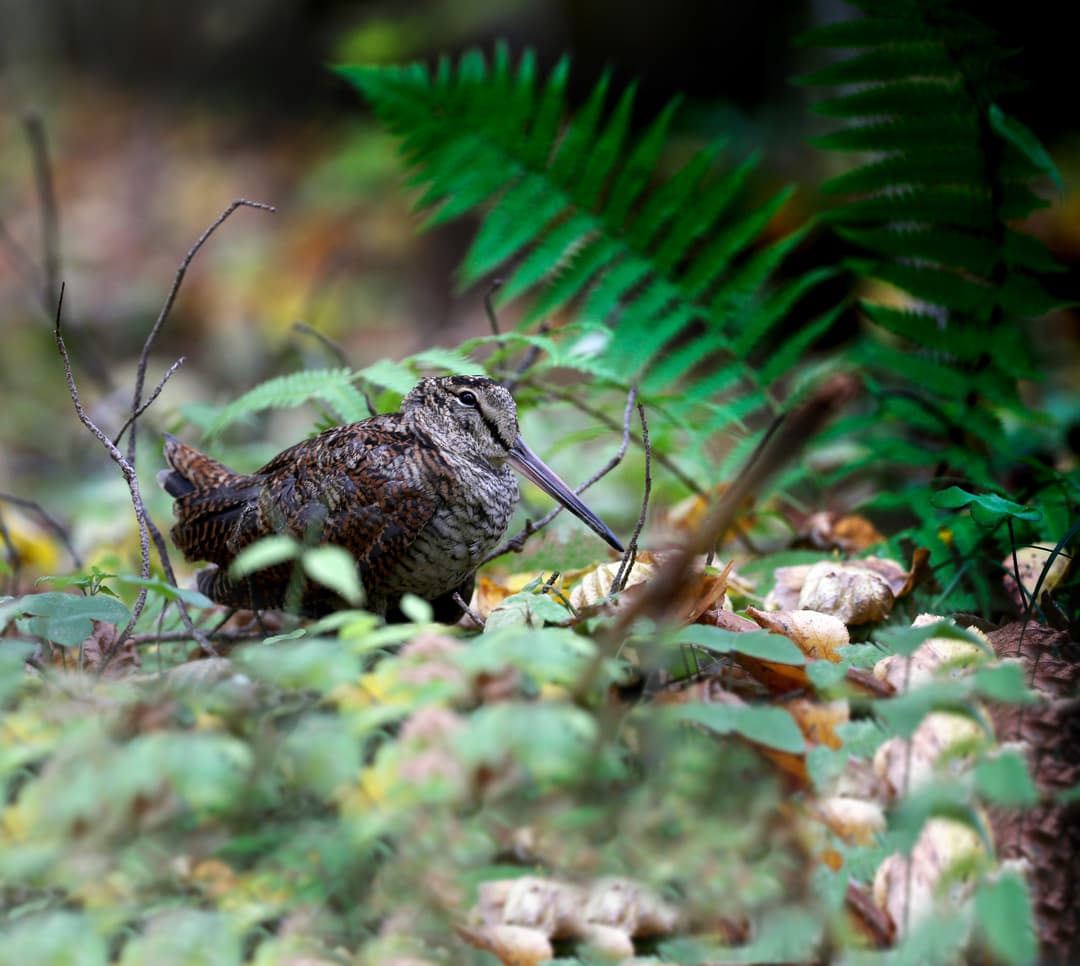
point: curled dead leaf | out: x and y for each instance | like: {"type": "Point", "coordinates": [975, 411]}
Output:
{"type": "Point", "coordinates": [511, 945]}
{"type": "Point", "coordinates": [817, 635]}
{"type": "Point", "coordinates": [595, 585]}
{"type": "Point", "coordinates": [818, 720]}
{"type": "Point", "coordinates": [608, 943]}
{"type": "Point", "coordinates": [936, 656]}
{"type": "Point", "coordinates": [852, 819]}
{"type": "Point", "coordinates": [849, 534]}
{"type": "Point", "coordinates": [851, 592]}
{"type": "Point", "coordinates": [1030, 563]}
{"type": "Point", "coordinates": [944, 743]}
{"type": "Point", "coordinates": [908, 888]}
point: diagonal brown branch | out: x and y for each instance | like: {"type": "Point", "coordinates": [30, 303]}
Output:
{"type": "Point", "coordinates": [166, 308]}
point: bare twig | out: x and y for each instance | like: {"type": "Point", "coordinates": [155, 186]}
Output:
{"type": "Point", "coordinates": [575, 400]}
{"type": "Point", "coordinates": [467, 611]}
{"type": "Point", "coordinates": [50, 220]}
{"type": "Point", "coordinates": [632, 548]}
{"type": "Point", "coordinates": [225, 637]}
{"type": "Point", "coordinates": [489, 305]}
{"type": "Point", "coordinates": [329, 344]}
{"type": "Point", "coordinates": [49, 520]}
{"type": "Point", "coordinates": [149, 399]}
{"type": "Point", "coordinates": [144, 356]}
{"type": "Point", "coordinates": [125, 467]}
{"type": "Point", "coordinates": [517, 541]}
{"type": "Point", "coordinates": [146, 526]}
{"type": "Point", "coordinates": [529, 359]}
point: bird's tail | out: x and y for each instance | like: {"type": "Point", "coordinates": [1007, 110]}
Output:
{"type": "Point", "coordinates": [209, 502]}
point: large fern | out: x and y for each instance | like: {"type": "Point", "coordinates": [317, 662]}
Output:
{"type": "Point", "coordinates": [663, 274]}
{"type": "Point", "coordinates": [943, 178]}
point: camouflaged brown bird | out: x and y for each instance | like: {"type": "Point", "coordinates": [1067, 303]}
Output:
{"type": "Point", "coordinates": [419, 498]}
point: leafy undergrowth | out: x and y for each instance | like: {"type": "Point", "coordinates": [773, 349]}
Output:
{"type": "Point", "coordinates": [791, 766]}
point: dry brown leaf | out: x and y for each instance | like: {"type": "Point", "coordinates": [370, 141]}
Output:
{"type": "Point", "coordinates": [943, 742]}
{"type": "Point", "coordinates": [608, 943]}
{"type": "Point", "coordinates": [852, 819]}
{"type": "Point", "coordinates": [818, 720]}
{"type": "Point", "coordinates": [1030, 563]}
{"type": "Point", "coordinates": [869, 920]}
{"type": "Point", "coordinates": [125, 658]}
{"type": "Point", "coordinates": [816, 635]}
{"type": "Point", "coordinates": [511, 945]}
{"type": "Point", "coordinates": [787, 585]}
{"type": "Point", "coordinates": [596, 583]}
{"type": "Point", "coordinates": [938, 655]}
{"type": "Point", "coordinates": [851, 592]}
{"type": "Point", "coordinates": [849, 534]}
{"type": "Point", "coordinates": [907, 889]}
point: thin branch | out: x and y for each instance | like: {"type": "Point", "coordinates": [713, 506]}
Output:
{"type": "Point", "coordinates": [50, 220]}
{"type": "Point", "coordinates": [619, 583]}
{"type": "Point", "coordinates": [144, 357]}
{"type": "Point", "coordinates": [125, 467]}
{"type": "Point", "coordinates": [516, 542]}
{"type": "Point", "coordinates": [329, 344]}
{"type": "Point", "coordinates": [221, 636]}
{"type": "Point", "coordinates": [528, 360]}
{"type": "Point", "coordinates": [49, 520]}
{"type": "Point", "coordinates": [576, 401]}
{"type": "Point", "coordinates": [489, 305]}
{"type": "Point", "coordinates": [467, 611]}
{"type": "Point", "coordinates": [149, 400]}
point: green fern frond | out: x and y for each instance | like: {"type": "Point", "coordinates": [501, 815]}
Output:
{"type": "Point", "coordinates": [576, 213]}
{"type": "Point", "coordinates": [332, 387]}
{"type": "Point", "coordinates": [941, 177]}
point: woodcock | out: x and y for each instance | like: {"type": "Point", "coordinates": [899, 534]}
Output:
{"type": "Point", "coordinates": [419, 498]}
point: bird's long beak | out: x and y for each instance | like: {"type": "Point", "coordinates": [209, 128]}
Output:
{"type": "Point", "coordinates": [535, 469]}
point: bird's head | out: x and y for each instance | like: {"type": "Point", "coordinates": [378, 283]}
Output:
{"type": "Point", "coordinates": [478, 416]}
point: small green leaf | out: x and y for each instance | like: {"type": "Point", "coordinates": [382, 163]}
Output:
{"type": "Point", "coordinates": [987, 509]}
{"type": "Point", "coordinates": [1004, 681]}
{"type": "Point", "coordinates": [416, 609]}
{"type": "Point", "coordinates": [1003, 912]}
{"type": "Point", "coordinates": [264, 553]}
{"type": "Point", "coordinates": [772, 727]}
{"type": "Point", "coordinates": [531, 610]}
{"type": "Point", "coordinates": [1004, 780]}
{"type": "Point", "coordinates": [67, 619]}
{"type": "Point", "coordinates": [334, 567]}
{"type": "Point", "coordinates": [164, 589]}
{"type": "Point", "coordinates": [825, 675]}
{"type": "Point", "coordinates": [759, 644]}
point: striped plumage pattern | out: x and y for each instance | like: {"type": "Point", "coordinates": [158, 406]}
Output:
{"type": "Point", "coordinates": [418, 498]}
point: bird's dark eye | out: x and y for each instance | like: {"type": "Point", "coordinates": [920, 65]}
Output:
{"type": "Point", "coordinates": [467, 399]}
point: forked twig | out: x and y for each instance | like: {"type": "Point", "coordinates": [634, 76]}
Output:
{"type": "Point", "coordinates": [149, 399]}
{"type": "Point", "coordinates": [126, 468]}
{"type": "Point", "coordinates": [166, 308]}
{"type": "Point", "coordinates": [517, 541]}
{"type": "Point", "coordinates": [577, 402]}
